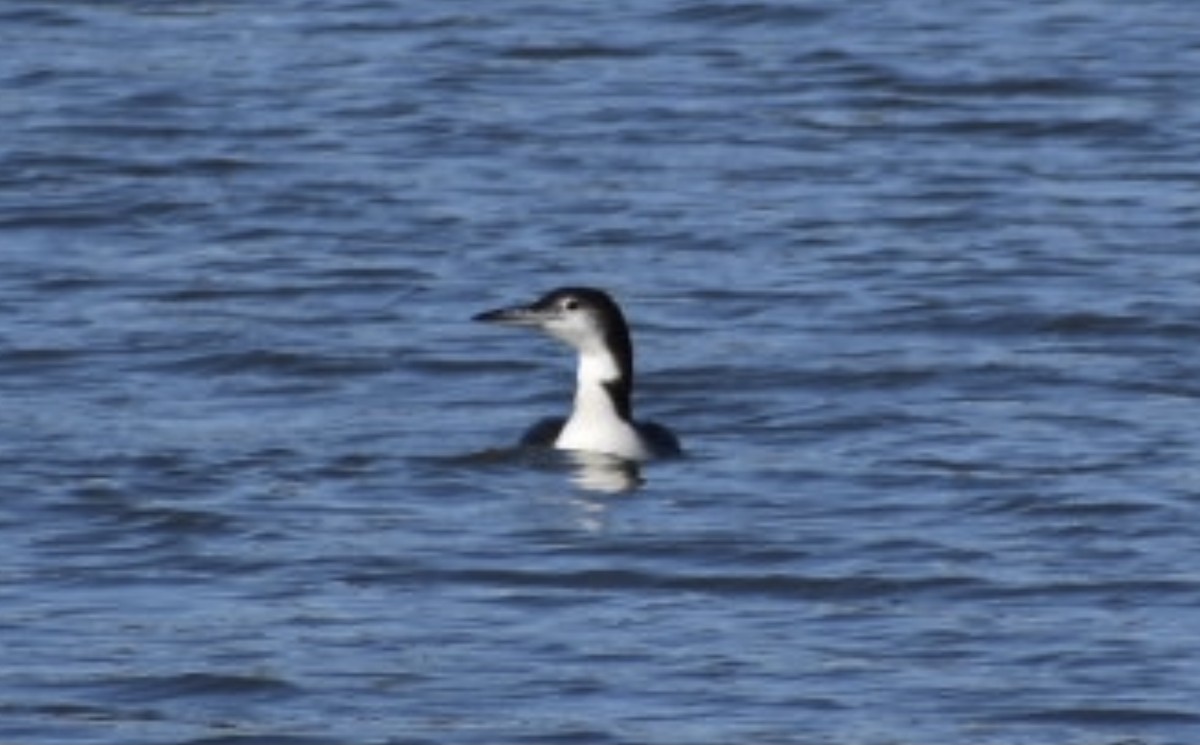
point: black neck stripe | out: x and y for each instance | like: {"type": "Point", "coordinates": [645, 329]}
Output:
{"type": "Point", "coordinates": [618, 392]}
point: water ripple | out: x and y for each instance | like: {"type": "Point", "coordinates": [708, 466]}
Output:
{"type": "Point", "coordinates": [914, 281]}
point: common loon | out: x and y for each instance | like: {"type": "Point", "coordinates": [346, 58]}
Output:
{"type": "Point", "coordinates": [602, 418]}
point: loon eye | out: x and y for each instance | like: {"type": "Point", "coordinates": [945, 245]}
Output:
{"type": "Point", "coordinates": [570, 304]}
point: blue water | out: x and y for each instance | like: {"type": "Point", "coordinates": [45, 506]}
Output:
{"type": "Point", "coordinates": [916, 282]}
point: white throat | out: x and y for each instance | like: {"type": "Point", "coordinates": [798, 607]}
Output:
{"type": "Point", "coordinates": [594, 423]}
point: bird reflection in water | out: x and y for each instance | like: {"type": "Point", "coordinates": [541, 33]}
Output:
{"type": "Point", "coordinates": [600, 472]}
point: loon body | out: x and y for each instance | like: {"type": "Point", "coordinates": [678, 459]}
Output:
{"type": "Point", "coordinates": [602, 417]}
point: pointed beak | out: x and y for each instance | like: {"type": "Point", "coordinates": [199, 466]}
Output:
{"type": "Point", "coordinates": [518, 316]}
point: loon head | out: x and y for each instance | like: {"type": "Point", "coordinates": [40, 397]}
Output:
{"type": "Point", "coordinates": [591, 322]}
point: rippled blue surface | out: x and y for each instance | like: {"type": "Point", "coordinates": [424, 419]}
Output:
{"type": "Point", "coordinates": [916, 282]}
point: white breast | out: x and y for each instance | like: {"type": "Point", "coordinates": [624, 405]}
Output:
{"type": "Point", "coordinates": [601, 434]}
{"type": "Point", "coordinates": [594, 424]}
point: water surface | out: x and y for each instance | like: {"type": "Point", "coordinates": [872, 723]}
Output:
{"type": "Point", "coordinates": [915, 283]}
